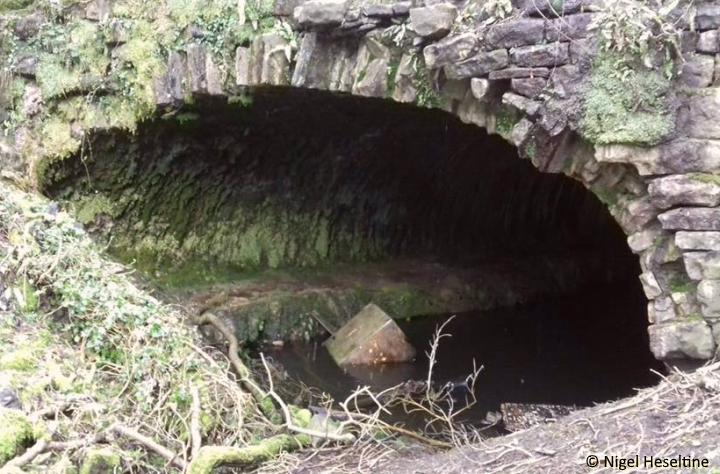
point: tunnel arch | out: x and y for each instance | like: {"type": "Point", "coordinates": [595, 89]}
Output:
{"type": "Point", "coordinates": [394, 185]}
{"type": "Point", "coordinates": [517, 77]}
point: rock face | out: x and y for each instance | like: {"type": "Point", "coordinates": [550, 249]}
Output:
{"type": "Point", "coordinates": [370, 338]}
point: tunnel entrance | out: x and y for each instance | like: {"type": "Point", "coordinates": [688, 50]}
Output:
{"type": "Point", "coordinates": [288, 211]}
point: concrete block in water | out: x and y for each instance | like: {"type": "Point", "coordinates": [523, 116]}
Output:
{"type": "Point", "coordinates": [371, 337]}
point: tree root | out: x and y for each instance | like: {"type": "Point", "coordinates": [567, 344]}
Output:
{"type": "Point", "coordinates": [210, 457]}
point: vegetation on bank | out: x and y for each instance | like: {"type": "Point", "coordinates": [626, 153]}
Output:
{"type": "Point", "coordinates": [106, 375]}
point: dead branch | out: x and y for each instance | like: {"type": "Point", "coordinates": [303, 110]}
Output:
{"type": "Point", "coordinates": [232, 353]}
{"type": "Point", "coordinates": [195, 434]}
{"type": "Point", "coordinates": [28, 455]}
{"type": "Point", "coordinates": [289, 423]}
{"type": "Point", "coordinates": [149, 444]}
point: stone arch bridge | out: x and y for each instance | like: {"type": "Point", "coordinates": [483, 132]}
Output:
{"type": "Point", "coordinates": [537, 72]}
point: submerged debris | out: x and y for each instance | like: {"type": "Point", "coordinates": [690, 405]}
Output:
{"type": "Point", "coordinates": [371, 337]}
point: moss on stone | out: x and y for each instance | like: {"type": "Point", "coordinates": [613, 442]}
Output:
{"type": "Point", "coordinates": [211, 457]}
{"type": "Point", "coordinates": [680, 285]}
{"type": "Point", "coordinates": [505, 120]}
{"type": "Point", "coordinates": [627, 105]}
{"type": "Point", "coordinates": [100, 461]}
{"type": "Point", "coordinates": [705, 178]}
{"type": "Point", "coordinates": [57, 140]}
{"type": "Point", "coordinates": [89, 207]}
{"type": "Point", "coordinates": [16, 434]}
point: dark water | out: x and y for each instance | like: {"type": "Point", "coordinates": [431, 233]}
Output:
{"type": "Point", "coordinates": [579, 349]}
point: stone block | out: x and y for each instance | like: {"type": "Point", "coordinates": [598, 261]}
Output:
{"type": "Point", "coordinates": [479, 65]}
{"type": "Point", "coordinates": [402, 8]}
{"type": "Point", "coordinates": [196, 65]}
{"type": "Point", "coordinates": [527, 106]}
{"type": "Point", "coordinates": [242, 66]}
{"type": "Point", "coordinates": [697, 71]}
{"type": "Point", "coordinates": [405, 90]}
{"type": "Point", "coordinates": [700, 116]}
{"type": "Point", "coordinates": [377, 10]}
{"type": "Point", "coordinates": [169, 88]}
{"type": "Point", "coordinates": [450, 50]}
{"type": "Point", "coordinates": [702, 265]}
{"type": "Point", "coordinates": [708, 295]}
{"type": "Point", "coordinates": [661, 310]}
{"type": "Point", "coordinates": [569, 28]}
{"type": "Point", "coordinates": [472, 110]}
{"type": "Point", "coordinates": [517, 72]}
{"type": "Point", "coordinates": [681, 340]}
{"type": "Point", "coordinates": [643, 239]}
{"type": "Point", "coordinates": [371, 337]}
{"type": "Point", "coordinates": [677, 156]}
{"type": "Point", "coordinates": [698, 240]}
{"type": "Point", "coordinates": [530, 87]}
{"type": "Point", "coordinates": [689, 190]}
{"type": "Point", "coordinates": [513, 33]}
{"type": "Point", "coordinates": [691, 218]}
{"type": "Point", "coordinates": [275, 69]}
{"type": "Point", "coordinates": [584, 51]}
{"type": "Point", "coordinates": [434, 21]}
{"type": "Point", "coordinates": [650, 285]}
{"type": "Point", "coordinates": [707, 16]}
{"type": "Point", "coordinates": [480, 88]}
{"type": "Point", "coordinates": [320, 13]}
{"type": "Point", "coordinates": [708, 42]}
{"type": "Point", "coordinates": [26, 66]}
{"type": "Point", "coordinates": [373, 83]}
{"type": "Point", "coordinates": [554, 54]}
{"type": "Point", "coordinates": [521, 132]}
{"type": "Point", "coordinates": [29, 26]}
{"type": "Point", "coordinates": [552, 8]}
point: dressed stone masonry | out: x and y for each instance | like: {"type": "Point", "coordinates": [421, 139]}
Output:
{"type": "Point", "coordinates": [533, 77]}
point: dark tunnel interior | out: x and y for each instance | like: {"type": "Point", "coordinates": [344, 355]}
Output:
{"type": "Point", "coordinates": [292, 179]}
